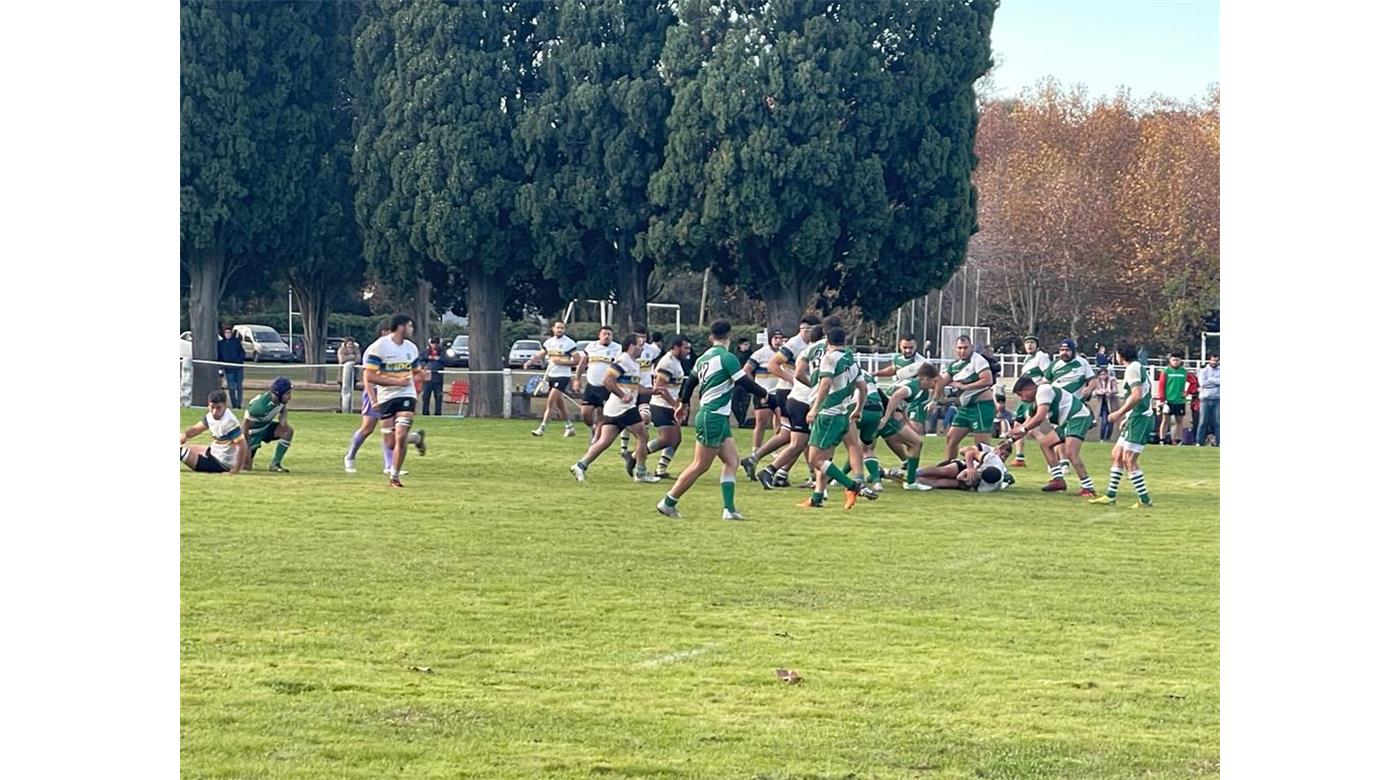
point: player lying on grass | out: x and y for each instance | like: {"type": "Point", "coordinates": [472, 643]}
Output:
{"type": "Point", "coordinates": [1072, 421]}
{"type": "Point", "coordinates": [980, 468]}
{"type": "Point", "coordinates": [229, 450]}
{"type": "Point", "coordinates": [621, 412]}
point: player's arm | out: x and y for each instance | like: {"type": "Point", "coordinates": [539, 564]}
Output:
{"type": "Point", "coordinates": [610, 382]}
{"type": "Point", "coordinates": [739, 377]}
{"type": "Point", "coordinates": [886, 371]}
{"type": "Point", "coordinates": [661, 386]}
{"type": "Point", "coordinates": [1134, 395]}
{"type": "Point", "coordinates": [240, 449]}
{"type": "Point", "coordinates": [374, 374]}
{"type": "Point", "coordinates": [823, 388]}
{"type": "Point", "coordinates": [802, 371]}
{"type": "Point", "coordinates": [984, 379]}
{"type": "Point", "coordinates": [193, 431]}
{"type": "Point", "coordinates": [971, 455]}
{"type": "Point", "coordinates": [1042, 411]}
{"type": "Point", "coordinates": [862, 390]}
{"type": "Point", "coordinates": [537, 356]}
{"type": "Point", "coordinates": [900, 393]}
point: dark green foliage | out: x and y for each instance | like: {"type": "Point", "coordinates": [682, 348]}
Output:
{"type": "Point", "coordinates": [823, 147]}
{"type": "Point", "coordinates": [590, 140]}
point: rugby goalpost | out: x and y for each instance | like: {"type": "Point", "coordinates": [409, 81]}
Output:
{"type": "Point", "coordinates": [948, 335]}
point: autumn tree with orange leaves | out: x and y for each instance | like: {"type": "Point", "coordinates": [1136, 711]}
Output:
{"type": "Point", "coordinates": [1099, 218]}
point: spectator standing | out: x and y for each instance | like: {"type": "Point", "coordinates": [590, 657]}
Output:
{"type": "Point", "coordinates": [1101, 358]}
{"type": "Point", "coordinates": [1106, 391]}
{"type": "Point", "coordinates": [1209, 377]}
{"type": "Point", "coordinates": [432, 388]}
{"type": "Point", "coordinates": [742, 349]}
{"type": "Point", "coordinates": [349, 352]}
{"type": "Point", "coordinates": [230, 350]}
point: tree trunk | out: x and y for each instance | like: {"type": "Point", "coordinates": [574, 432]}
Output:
{"type": "Point", "coordinates": [486, 297]}
{"type": "Point", "coordinates": [206, 275]}
{"type": "Point", "coordinates": [315, 311]}
{"type": "Point", "coordinates": [632, 277]}
{"type": "Point", "coordinates": [423, 315]}
{"type": "Point", "coordinates": [786, 303]}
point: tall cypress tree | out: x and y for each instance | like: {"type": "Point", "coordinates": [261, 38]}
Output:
{"type": "Point", "coordinates": [822, 147]}
{"type": "Point", "coordinates": [441, 87]}
{"type": "Point", "coordinates": [591, 138]}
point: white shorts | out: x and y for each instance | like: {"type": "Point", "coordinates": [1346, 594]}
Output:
{"type": "Point", "coordinates": [1129, 446]}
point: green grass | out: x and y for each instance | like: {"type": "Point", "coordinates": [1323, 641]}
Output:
{"type": "Point", "coordinates": [574, 632]}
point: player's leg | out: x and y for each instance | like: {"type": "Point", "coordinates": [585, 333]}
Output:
{"type": "Point", "coordinates": [762, 418]}
{"type": "Point", "coordinates": [1050, 448]}
{"type": "Point", "coordinates": [283, 433]}
{"type": "Point", "coordinates": [704, 456]}
{"type": "Point", "coordinates": [1071, 452]}
{"type": "Point", "coordinates": [403, 423]}
{"type": "Point", "coordinates": [729, 460]}
{"type": "Point", "coordinates": [369, 418]}
{"type": "Point", "coordinates": [955, 436]}
{"type": "Point", "coordinates": [606, 435]}
{"type": "Point", "coordinates": [639, 454]}
{"type": "Point", "coordinates": [551, 403]}
{"type": "Point", "coordinates": [190, 454]}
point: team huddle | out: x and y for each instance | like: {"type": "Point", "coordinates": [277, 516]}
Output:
{"type": "Point", "coordinates": [809, 389]}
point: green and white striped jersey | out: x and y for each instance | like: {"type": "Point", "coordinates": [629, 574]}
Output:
{"type": "Point", "coordinates": [1136, 376]}
{"type": "Point", "coordinates": [967, 371]}
{"type": "Point", "coordinates": [873, 402]}
{"type": "Point", "coordinates": [716, 371]}
{"type": "Point", "coordinates": [839, 365]}
{"type": "Point", "coordinates": [1063, 404]}
{"type": "Point", "coordinates": [1036, 367]}
{"type": "Point", "coordinates": [917, 395]}
{"type": "Point", "coordinates": [813, 354]}
{"type": "Point", "coordinates": [1070, 375]}
{"type": "Point", "coordinates": [904, 369]}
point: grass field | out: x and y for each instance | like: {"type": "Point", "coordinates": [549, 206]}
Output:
{"type": "Point", "coordinates": [571, 631]}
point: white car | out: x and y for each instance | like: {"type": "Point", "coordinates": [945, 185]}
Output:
{"type": "Point", "coordinates": [186, 345]}
{"type": "Point", "coordinates": [522, 351]}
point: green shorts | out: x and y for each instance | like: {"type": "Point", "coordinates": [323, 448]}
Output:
{"type": "Point", "coordinates": [1136, 429]}
{"type": "Point", "coordinates": [976, 417]}
{"type": "Point", "coordinates": [893, 427]}
{"type": "Point", "coordinates": [711, 428]}
{"type": "Point", "coordinates": [1024, 411]}
{"type": "Point", "coordinates": [917, 412]}
{"type": "Point", "coordinates": [1076, 427]}
{"type": "Point", "coordinates": [829, 430]}
{"type": "Point", "coordinates": [869, 426]}
{"type": "Point", "coordinates": [258, 436]}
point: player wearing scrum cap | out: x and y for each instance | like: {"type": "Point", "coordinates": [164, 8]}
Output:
{"type": "Point", "coordinates": [715, 374]}
{"type": "Point", "coordinates": [621, 412]}
{"type": "Point", "coordinates": [229, 450]}
{"type": "Point", "coordinates": [265, 419]}
{"type": "Point", "coordinates": [764, 415]}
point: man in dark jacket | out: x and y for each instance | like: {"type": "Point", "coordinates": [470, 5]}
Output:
{"type": "Point", "coordinates": [433, 387]}
{"type": "Point", "coordinates": [230, 350]}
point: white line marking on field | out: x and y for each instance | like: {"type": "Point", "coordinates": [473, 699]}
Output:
{"type": "Point", "coordinates": [679, 655]}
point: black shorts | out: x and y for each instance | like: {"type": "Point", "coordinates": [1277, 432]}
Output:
{"type": "Point", "coordinates": [662, 416]}
{"type": "Point", "coordinates": [393, 406]}
{"type": "Point", "coordinates": [796, 420]}
{"type": "Point", "coordinates": [626, 419]}
{"type": "Point", "coordinates": [777, 401]}
{"type": "Point", "coordinates": [560, 383]}
{"type": "Point", "coordinates": [1176, 410]}
{"type": "Point", "coordinates": [595, 395]}
{"type": "Point", "coordinates": [209, 464]}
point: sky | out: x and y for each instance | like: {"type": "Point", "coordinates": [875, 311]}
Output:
{"type": "Point", "coordinates": [1170, 47]}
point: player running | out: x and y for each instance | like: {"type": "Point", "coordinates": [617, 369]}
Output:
{"type": "Point", "coordinates": [621, 413]}
{"type": "Point", "coordinates": [715, 374]}
{"type": "Point", "coordinates": [1072, 421]}
{"type": "Point", "coordinates": [1137, 408]}
{"type": "Point", "coordinates": [836, 405]}
{"type": "Point", "coordinates": [646, 366]}
{"type": "Point", "coordinates": [392, 364]}
{"type": "Point", "coordinates": [592, 369]}
{"type": "Point", "coordinates": [665, 400]}
{"type": "Point", "coordinates": [780, 365]}
{"type": "Point", "coordinates": [558, 355]}
{"type": "Point", "coordinates": [229, 450]}
{"type": "Point", "coordinates": [265, 419]}
{"type": "Point", "coordinates": [765, 416]}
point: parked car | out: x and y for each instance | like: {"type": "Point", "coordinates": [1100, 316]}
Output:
{"type": "Point", "coordinates": [458, 352]}
{"type": "Point", "coordinates": [186, 344]}
{"type": "Point", "coordinates": [331, 354]}
{"type": "Point", "coordinates": [298, 344]}
{"type": "Point", "coordinates": [522, 351]}
{"type": "Point", "coordinates": [262, 344]}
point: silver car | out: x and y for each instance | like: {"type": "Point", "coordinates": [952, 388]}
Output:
{"type": "Point", "coordinates": [262, 344]}
{"type": "Point", "coordinates": [522, 351]}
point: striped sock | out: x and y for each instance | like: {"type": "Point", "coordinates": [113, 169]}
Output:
{"type": "Point", "coordinates": [1115, 475]}
{"type": "Point", "coordinates": [780, 474]}
{"type": "Point", "coordinates": [666, 455]}
{"type": "Point", "coordinates": [1062, 469]}
{"type": "Point", "coordinates": [624, 440]}
{"type": "Point", "coordinates": [1140, 485]}
{"type": "Point", "coordinates": [1057, 471]}
{"type": "Point", "coordinates": [1086, 482]}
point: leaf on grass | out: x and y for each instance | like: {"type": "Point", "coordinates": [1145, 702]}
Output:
{"type": "Point", "coordinates": [789, 676]}
{"type": "Point", "coordinates": [423, 669]}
